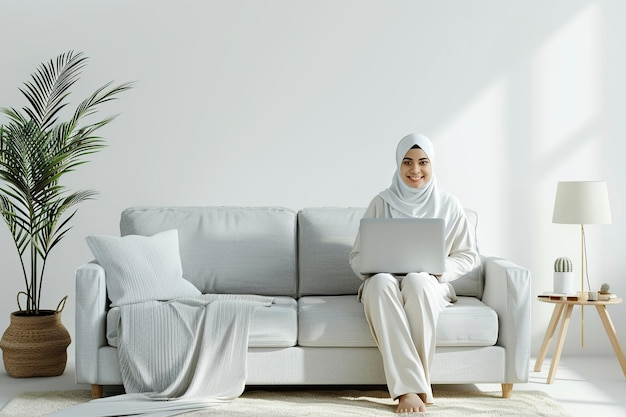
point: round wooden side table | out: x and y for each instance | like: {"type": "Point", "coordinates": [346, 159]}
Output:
{"type": "Point", "coordinates": [562, 312]}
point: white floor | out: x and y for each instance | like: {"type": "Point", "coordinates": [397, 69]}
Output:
{"type": "Point", "coordinates": [585, 386]}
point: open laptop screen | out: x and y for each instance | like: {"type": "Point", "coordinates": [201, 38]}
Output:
{"type": "Point", "coordinates": [400, 246]}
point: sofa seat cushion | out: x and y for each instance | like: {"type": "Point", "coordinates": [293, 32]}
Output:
{"type": "Point", "coordinates": [339, 321]}
{"type": "Point", "coordinates": [273, 327]}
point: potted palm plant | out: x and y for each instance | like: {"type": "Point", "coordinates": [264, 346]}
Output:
{"type": "Point", "coordinates": [37, 149]}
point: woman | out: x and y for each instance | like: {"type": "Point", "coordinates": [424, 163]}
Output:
{"type": "Point", "coordinates": [402, 311]}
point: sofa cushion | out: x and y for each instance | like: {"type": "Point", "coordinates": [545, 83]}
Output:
{"type": "Point", "coordinates": [333, 321]}
{"type": "Point", "coordinates": [325, 239]}
{"type": "Point", "coordinates": [275, 326]}
{"type": "Point", "coordinates": [471, 284]}
{"type": "Point", "coordinates": [141, 268]}
{"type": "Point", "coordinates": [468, 322]}
{"type": "Point", "coordinates": [339, 321]}
{"type": "Point", "coordinates": [232, 250]}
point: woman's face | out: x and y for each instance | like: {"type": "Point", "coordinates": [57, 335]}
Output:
{"type": "Point", "coordinates": [415, 169]}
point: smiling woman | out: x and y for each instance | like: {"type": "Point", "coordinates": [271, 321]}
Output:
{"type": "Point", "coordinates": [415, 169]}
{"type": "Point", "coordinates": [402, 310]}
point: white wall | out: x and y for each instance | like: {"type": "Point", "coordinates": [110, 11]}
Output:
{"type": "Point", "coordinates": [301, 103]}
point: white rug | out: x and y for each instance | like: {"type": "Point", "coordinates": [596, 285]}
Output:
{"type": "Point", "coordinates": [315, 403]}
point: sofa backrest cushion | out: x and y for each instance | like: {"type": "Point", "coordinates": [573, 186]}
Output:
{"type": "Point", "coordinates": [230, 250]}
{"type": "Point", "coordinates": [325, 238]}
{"type": "Point", "coordinates": [471, 284]}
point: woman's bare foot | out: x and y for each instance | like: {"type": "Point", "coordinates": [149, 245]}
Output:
{"type": "Point", "coordinates": [410, 403]}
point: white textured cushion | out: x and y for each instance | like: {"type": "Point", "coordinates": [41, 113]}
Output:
{"type": "Point", "coordinates": [273, 327]}
{"type": "Point", "coordinates": [339, 321]}
{"type": "Point", "coordinates": [140, 268]}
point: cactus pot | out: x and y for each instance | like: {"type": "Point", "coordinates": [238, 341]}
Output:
{"type": "Point", "coordinates": [564, 283]}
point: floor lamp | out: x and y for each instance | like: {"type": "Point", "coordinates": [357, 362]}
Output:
{"type": "Point", "coordinates": [582, 202]}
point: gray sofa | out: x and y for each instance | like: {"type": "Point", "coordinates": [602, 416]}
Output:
{"type": "Point", "coordinates": [316, 332]}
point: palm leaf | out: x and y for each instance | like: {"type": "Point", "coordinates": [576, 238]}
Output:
{"type": "Point", "coordinates": [36, 151]}
{"type": "Point", "coordinates": [50, 85]}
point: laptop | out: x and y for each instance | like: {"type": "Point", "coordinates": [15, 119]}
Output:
{"type": "Point", "coordinates": [400, 246]}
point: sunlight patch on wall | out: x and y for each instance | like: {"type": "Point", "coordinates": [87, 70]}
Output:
{"type": "Point", "coordinates": [566, 83]}
{"type": "Point", "coordinates": [473, 155]}
{"type": "Point", "coordinates": [566, 144]}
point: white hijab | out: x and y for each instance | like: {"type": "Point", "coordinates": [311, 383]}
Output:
{"type": "Point", "coordinates": [405, 201]}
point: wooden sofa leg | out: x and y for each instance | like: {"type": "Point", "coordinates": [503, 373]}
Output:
{"type": "Point", "coordinates": [96, 391]}
{"type": "Point", "coordinates": [507, 390]}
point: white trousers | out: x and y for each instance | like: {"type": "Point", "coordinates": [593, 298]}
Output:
{"type": "Point", "coordinates": [402, 313]}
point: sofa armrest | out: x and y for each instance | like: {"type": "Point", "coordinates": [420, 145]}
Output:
{"type": "Point", "coordinates": [507, 291]}
{"type": "Point", "coordinates": [91, 306]}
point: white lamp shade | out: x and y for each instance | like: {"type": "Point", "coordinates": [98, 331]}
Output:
{"type": "Point", "coordinates": [582, 202]}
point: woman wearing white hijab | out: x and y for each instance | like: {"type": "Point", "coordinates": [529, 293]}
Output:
{"type": "Point", "coordinates": [402, 311]}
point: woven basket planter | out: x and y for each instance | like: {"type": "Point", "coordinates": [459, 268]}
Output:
{"type": "Point", "coordinates": [35, 345]}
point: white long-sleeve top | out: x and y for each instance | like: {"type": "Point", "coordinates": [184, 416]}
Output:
{"type": "Point", "coordinates": [459, 240]}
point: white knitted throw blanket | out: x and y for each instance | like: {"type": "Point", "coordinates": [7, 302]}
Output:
{"type": "Point", "coordinates": [179, 356]}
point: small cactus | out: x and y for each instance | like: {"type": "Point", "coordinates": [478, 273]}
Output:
{"type": "Point", "coordinates": [563, 264]}
{"type": "Point", "coordinates": [605, 288]}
